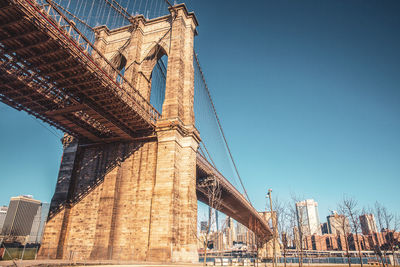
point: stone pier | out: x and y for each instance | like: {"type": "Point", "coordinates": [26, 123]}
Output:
{"type": "Point", "coordinates": [135, 200]}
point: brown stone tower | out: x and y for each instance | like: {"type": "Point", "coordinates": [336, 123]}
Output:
{"type": "Point", "coordinates": [135, 200]}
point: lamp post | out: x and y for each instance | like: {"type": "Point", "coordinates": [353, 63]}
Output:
{"type": "Point", "coordinates": [269, 194]}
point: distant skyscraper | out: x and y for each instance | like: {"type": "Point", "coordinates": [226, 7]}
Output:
{"type": "Point", "coordinates": [368, 224]}
{"type": "Point", "coordinates": [20, 215]}
{"type": "Point", "coordinates": [230, 232]}
{"type": "Point", "coordinates": [3, 213]}
{"type": "Point", "coordinates": [308, 217]}
{"type": "Point", "coordinates": [338, 224]}
{"type": "Point", "coordinates": [240, 228]}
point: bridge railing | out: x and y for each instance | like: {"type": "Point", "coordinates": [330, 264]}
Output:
{"type": "Point", "coordinates": [122, 87]}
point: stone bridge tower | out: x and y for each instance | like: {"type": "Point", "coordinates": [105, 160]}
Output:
{"type": "Point", "coordinates": [135, 200]}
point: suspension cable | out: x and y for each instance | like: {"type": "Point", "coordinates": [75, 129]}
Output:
{"type": "Point", "coordinates": [69, 13]}
{"type": "Point", "coordinates": [122, 8]}
{"type": "Point", "coordinates": [205, 148]}
{"type": "Point", "coordinates": [116, 9]}
{"type": "Point", "coordinates": [220, 126]}
{"type": "Point", "coordinates": [168, 3]}
{"type": "Point", "coordinates": [125, 13]}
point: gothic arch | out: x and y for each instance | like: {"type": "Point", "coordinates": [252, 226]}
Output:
{"type": "Point", "coordinates": [146, 68]}
{"type": "Point", "coordinates": [160, 45]}
{"type": "Point", "coordinates": [119, 61]}
{"type": "Point", "coordinates": [154, 53]}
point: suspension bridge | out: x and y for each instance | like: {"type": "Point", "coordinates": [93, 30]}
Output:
{"type": "Point", "coordinates": [143, 138]}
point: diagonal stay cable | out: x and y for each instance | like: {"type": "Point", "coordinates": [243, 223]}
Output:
{"type": "Point", "coordinates": [112, 5]}
{"type": "Point", "coordinates": [72, 15]}
{"type": "Point", "coordinates": [220, 126]}
{"type": "Point", "coordinates": [208, 154]}
{"type": "Point", "coordinates": [126, 13]}
{"type": "Point", "coordinates": [168, 3]}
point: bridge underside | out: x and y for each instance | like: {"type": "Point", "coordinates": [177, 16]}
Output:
{"type": "Point", "coordinates": [47, 73]}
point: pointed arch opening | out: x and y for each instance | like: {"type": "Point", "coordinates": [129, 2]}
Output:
{"type": "Point", "coordinates": [158, 79]}
{"type": "Point", "coordinates": [119, 62]}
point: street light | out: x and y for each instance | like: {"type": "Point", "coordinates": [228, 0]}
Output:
{"type": "Point", "coordinates": [269, 194]}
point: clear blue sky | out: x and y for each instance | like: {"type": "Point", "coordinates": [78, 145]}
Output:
{"type": "Point", "coordinates": [308, 93]}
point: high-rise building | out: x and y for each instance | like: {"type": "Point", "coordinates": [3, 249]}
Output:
{"type": "Point", "coordinates": [338, 224]}
{"type": "Point", "coordinates": [308, 217]}
{"type": "Point", "coordinates": [230, 231]}
{"type": "Point", "coordinates": [241, 233]}
{"type": "Point", "coordinates": [368, 224]}
{"type": "Point", "coordinates": [20, 215]}
{"type": "Point", "coordinates": [3, 213]}
{"type": "Point", "coordinates": [240, 228]}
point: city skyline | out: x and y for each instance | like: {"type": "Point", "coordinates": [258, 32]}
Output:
{"type": "Point", "coordinates": [324, 134]}
{"type": "Point", "coordinates": [316, 225]}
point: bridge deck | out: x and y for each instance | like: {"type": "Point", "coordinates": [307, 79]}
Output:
{"type": "Point", "coordinates": [48, 69]}
{"type": "Point", "coordinates": [233, 202]}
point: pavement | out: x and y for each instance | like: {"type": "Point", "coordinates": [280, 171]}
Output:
{"type": "Point", "coordinates": [50, 263]}
{"type": "Point", "coordinates": [45, 263]}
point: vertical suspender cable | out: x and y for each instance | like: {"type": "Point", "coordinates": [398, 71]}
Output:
{"type": "Point", "coordinates": [220, 127]}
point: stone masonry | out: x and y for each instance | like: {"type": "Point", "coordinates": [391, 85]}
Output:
{"type": "Point", "coordinates": [135, 201]}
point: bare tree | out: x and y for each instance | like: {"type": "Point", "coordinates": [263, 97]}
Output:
{"type": "Point", "coordinates": [391, 240]}
{"type": "Point", "coordinates": [395, 242]}
{"type": "Point", "coordinates": [285, 244]}
{"type": "Point", "coordinates": [260, 243]}
{"type": "Point", "coordinates": [374, 241]}
{"type": "Point", "coordinates": [388, 224]}
{"type": "Point", "coordinates": [211, 188]}
{"type": "Point", "coordinates": [379, 211]}
{"type": "Point", "coordinates": [284, 224]}
{"type": "Point", "coordinates": [350, 210]}
{"type": "Point", "coordinates": [300, 232]}
{"type": "Point", "coordinates": [342, 226]}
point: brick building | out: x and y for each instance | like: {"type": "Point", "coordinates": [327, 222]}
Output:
{"type": "Point", "coordinates": [355, 242]}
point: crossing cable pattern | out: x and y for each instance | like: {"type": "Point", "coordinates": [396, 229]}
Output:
{"type": "Point", "coordinates": [112, 13]}
{"type": "Point", "coordinates": [202, 94]}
